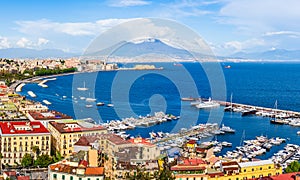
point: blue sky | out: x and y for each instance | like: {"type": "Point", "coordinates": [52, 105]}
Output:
{"type": "Point", "coordinates": [228, 26]}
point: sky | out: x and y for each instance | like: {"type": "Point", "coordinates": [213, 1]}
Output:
{"type": "Point", "coordinates": [228, 26]}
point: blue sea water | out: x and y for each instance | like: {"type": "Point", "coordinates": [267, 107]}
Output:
{"type": "Point", "coordinates": [135, 93]}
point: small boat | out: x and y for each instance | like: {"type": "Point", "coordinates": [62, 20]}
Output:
{"type": "Point", "coordinates": [90, 99]}
{"type": "Point", "coordinates": [47, 102]}
{"type": "Point", "coordinates": [64, 97]}
{"type": "Point", "coordinates": [82, 98]}
{"type": "Point", "coordinates": [89, 105]}
{"type": "Point", "coordinates": [100, 104]}
{"type": "Point", "coordinates": [30, 93]}
{"type": "Point", "coordinates": [227, 67]}
{"type": "Point", "coordinates": [83, 88]}
{"type": "Point", "coordinates": [110, 105]}
{"type": "Point", "coordinates": [277, 121]}
{"type": "Point", "coordinates": [298, 132]}
{"type": "Point", "coordinates": [227, 129]}
{"type": "Point", "coordinates": [187, 99]}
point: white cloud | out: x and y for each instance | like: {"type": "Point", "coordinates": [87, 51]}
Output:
{"type": "Point", "coordinates": [126, 3]}
{"type": "Point", "coordinates": [187, 8]}
{"type": "Point", "coordinates": [237, 46]}
{"type": "Point", "coordinates": [4, 43]}
{"type": "Point", "coordinates": [45, 26]}
{"type": "Point", "coordinates": [292, 34]}
{"type": "Point", "coordinates": [42, 41]}
{"type": "Point", "coordinates": [261, 16]}
{"type": "Point", "coordinates": [26, 43]}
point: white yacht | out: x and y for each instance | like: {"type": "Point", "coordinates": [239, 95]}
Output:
{"type": "Point", "coordinates": [83, 88]}
{"type": "Point", "coordinates": [207, 104]}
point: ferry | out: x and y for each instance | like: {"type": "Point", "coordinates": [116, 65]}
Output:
{"type": "Point", "coordinates": [30, 93]}
{"type": "Point", "coordinates": [83, 88]}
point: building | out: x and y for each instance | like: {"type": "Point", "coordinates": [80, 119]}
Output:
{"type": "Point", "coordinates": [246, 170]}
{"type": "Point", "coordinates": [122, 156]}
{"type": "Point", "coordinates": [66, 134]}
{"type": "Point", "coordinates": [79, 166]}
{"type": "Point", "coordinates": [19, 137]}
{"type": "Point", "coordinates": [190, 168]}
{"type": "Point", "coordinates": [46, 117]}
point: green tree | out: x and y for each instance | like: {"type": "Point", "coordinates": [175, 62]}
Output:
{"type": "Point", "coordinates": [293, 167]}
{"type": "Point", "coordinates": [164, 175]}
{"type": "Point", "coordinates": [57, 157]}
{"type": "Point", "coordinates": [36, 150]}
{"type": "Point", "coordinates": [43, 160]}
{"type": "Point", "coordinates": [27, 160]}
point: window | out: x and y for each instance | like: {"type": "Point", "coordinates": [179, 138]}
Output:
{"type": "Point", "coordinates": [269, 167]}
{"type": "Point", "coordinates": [269, 174]}
{"type": "Point", "coordinates": [252, 169]}
{"type": "Point", "coordinates": [253, 177]}
{"type": "Point", "coordinates": [71, 177]}
{"type": "Point", "coordinates": [54, 176]}
{"type": "Point", "coordinates": [260, 168]}
{"type": "Point", "coordinates": [244, 170]}
{"type": "Point", "coordinates": [80, 178]}
{"type": "Point", "coordinates": [237, 178]}
{"type": "Point", "coordinates": [63, 177]}
{"type": "Point", "coordinates": [89, 179]}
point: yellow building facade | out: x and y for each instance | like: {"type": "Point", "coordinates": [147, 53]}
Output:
{"type": "Point", "coordinates": [253, 169]}
{"type": "Point", "coordinates": [66, 134]}
{"type": "Point", "coordinates": [19, 138]}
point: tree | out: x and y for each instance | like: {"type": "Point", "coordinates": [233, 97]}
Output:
{"type": "Point", "coordinates": [36, 150]}
{"type": "Point", "coordinates": [293, 167]}
{"type": "Point", "coordinates": [43, 160]}
{"type": "Point", "coordinates": [164, 175]}
{"type": "Point", "coordinates": [27, 160]}
{"type": "Point", "coordinates": [57, 157]}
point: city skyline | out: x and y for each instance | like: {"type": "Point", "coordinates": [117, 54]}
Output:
{"type": "Point", "coordinates": [228, 26]}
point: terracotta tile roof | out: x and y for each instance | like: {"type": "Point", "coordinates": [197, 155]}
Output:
{"type": "Point", "coordinates": [83, 163]}
{"type": "Point", "coordinates": [288, 176]}
{"type": "Point", "coordinates": [63, 127]}
{"type": "Point", "coordinates": [140, 140]}
{"type": "Point", "coordinates": [23, 177]}
{"type": "Point", "coordinates": [50, 115]}
{"type": "Point", "coordinates": [10, 173]}
{"type": "Point", "coordinates": [62, 168]}
{"type": "Point", "coordinates": [230, 163]}
{"type": "Point", "coordinates": [94, 171]}
{"type": "Point", "coordinates": [84, 141]}
{"type": "Point", "coordinates": [22, 127]}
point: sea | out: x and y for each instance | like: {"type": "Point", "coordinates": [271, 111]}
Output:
{"type": "Point", "coordinates": [135, 93]}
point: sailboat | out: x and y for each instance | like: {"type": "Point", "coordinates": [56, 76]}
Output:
{"type": "Point", "coordinates": [82, 88]}
{"type": "Point", "coordinates": [275, 120]}
{"type": "Point", "coordinates": [229, 108]}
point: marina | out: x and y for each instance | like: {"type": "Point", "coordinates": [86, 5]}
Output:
{"type": "Point", "coordinates": [276, 116]}
{"type": "Point", "coordinates": [141, 121]}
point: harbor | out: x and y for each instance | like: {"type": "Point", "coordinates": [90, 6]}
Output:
{"type": "Point", "coordinates": [276, 116]}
